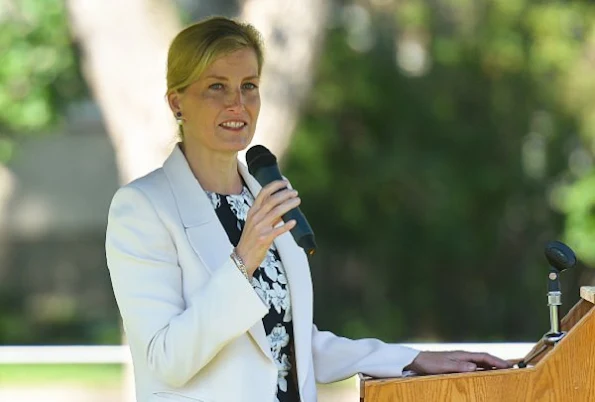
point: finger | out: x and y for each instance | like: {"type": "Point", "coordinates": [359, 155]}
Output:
{"type": "Point", "coordinates": [278, 198]}
{"type": "Point", "coordinates": [444, 365]}
{"type": "Point", "coordinates": [484, 360]}
{"type": "Point", "coordinates": [269, 189]}
{"type": "Point", "coordinates": [264, 196]}
{"type": "Point", "coordinates": [271, 203]}
{"type": "Point", "coordinates": [465, 367]}
{"type": "Point", "coordinates": [488, 361]}
{"type": "Point", "coordinates": [496, 362]}
{"type": "Point", "coordinates": [286, 227]}
{"type": "Point", "coordinates": [271, 235]}
{"type": "Point", "coordinates": [281, 210]}
{"type": "Point", "coordinates": [277, 221]}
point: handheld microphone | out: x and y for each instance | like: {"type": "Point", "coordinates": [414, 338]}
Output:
{"type": "Point", "coordinates": [262, 164]}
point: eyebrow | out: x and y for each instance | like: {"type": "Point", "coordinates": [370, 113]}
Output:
{"type": "Point", "coordinates": [221, 78]}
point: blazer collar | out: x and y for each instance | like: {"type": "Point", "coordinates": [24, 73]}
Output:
{"type": "Point", "coordinates": [193, 204]}
{"type": "Point", "coordinates": [192, 201]}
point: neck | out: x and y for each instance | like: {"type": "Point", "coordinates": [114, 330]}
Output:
{"type": "Point", "coordinates": [215, 172]}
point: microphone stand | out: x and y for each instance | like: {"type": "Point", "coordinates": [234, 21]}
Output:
{"type": "Point", "coordinates": [554, 301]}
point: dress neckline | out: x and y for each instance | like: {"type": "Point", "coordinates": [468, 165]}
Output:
{"type": "Point", "coordinates": [244, 192]}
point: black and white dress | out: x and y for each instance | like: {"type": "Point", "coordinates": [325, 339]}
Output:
{"type": "Point", "coordinates": [270, 283]}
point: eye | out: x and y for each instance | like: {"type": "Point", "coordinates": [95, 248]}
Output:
{"type": "Point", "coordinates": [216, 87]}
{"type": "Point", "coordinates": [249, 86]}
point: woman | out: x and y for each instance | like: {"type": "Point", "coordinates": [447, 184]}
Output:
{"type": "Point", "coordinates": [215, 295]}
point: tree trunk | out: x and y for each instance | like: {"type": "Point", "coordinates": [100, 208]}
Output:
{"type": "Point", "coordinates": [293, 32]}
{"type": "Point", "coordinates": [124, 46]}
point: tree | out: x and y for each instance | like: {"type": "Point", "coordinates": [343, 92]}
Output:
{"type": "Point", "coordinates": [293, 32]}
{"type": "Point", "coordinates": [123, 56]}
{"type": "Point", "coordinates": [39, 71]}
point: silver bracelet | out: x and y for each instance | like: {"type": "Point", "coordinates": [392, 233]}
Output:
{"type": "Point", "coordinates": [240, 264]}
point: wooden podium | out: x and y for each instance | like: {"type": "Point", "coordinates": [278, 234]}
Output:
{"type": "Point", "coordinates": [564, 372]}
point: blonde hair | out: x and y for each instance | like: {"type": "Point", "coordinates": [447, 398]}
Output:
{"type": "Point", "coordinates": [198, 45]}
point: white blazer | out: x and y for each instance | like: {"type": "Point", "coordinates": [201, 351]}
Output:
{"type": "Point", "coordinates": [193, 322]}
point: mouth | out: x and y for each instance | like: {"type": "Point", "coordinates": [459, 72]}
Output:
{"type": "Point", "coordinates": [234, 125]}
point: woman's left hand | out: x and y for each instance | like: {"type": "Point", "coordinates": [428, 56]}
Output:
{"type": "Point", "coordinates": [454, 362]}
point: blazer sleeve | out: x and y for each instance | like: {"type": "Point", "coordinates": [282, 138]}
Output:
{"type": "Point", "coordinates": [337, 358]}
{"type": "Point", "coordinates": [177, 340]}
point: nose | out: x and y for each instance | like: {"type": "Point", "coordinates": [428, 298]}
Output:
{"type": "Point", "coordinates": [235, 99]}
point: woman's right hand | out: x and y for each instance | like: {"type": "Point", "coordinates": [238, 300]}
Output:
{"type": "Point", "coordinates": [261, 223]}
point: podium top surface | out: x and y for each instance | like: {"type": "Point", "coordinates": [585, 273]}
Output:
{"type": "Point", "coordinates": [588, 293]}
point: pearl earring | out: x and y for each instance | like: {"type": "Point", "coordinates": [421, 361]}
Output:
{"type": "Point", "coordinates": [179, 118]}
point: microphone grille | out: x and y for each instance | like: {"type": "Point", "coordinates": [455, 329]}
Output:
{"type": "Point", "coordinates": [259, 156]}
{"type": "Point", "coordinates": [559, 255]}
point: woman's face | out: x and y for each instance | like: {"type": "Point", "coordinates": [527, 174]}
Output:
{"type": "Point", "coordinates": [220, 110]}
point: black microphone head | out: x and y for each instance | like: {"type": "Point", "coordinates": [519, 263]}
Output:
{"type": "Point", "coordinates": [259, 156]}
{"type": "Point", "coordinates": [559, 255]}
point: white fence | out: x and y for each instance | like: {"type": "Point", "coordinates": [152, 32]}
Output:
{"type": "Point", "coordinates": [121, 354]}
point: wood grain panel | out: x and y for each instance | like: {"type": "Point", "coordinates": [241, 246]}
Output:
{"type": "Point", "coordinates": [576, 313]}
{"type": "Point", "coordinates": [500, 385]}
{"type": "Point", "coordinates": [565, 372]}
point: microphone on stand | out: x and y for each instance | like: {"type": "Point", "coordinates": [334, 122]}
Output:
{"type": "Point", "coordinates": [262, 164]}
{"type": "Point", "coordinates": [560, 258]}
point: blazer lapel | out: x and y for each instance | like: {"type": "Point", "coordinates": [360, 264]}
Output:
{"type": "Point", "coordinates": [203, 229]}
{"type": "Point", "coordinates": [296, 266]}
{"type": "Point", "coordinates": [300, 288]}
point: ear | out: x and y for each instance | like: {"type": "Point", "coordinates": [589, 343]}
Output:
{"type": "Point", "coordinates": [174, 100]}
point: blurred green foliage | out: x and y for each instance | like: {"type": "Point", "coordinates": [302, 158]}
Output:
{"type": "Point", "coordinates": [435, 163]}
{"type": "Point", "coordinates": [39, 72]}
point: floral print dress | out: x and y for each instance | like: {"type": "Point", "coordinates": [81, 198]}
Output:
{"type": "Point", "coordinates": [270, 283]}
